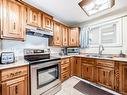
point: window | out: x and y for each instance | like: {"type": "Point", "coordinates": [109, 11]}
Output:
{"type": "Point", "coordinates": [108, 34]}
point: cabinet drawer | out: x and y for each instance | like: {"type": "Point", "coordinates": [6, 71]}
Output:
{"type": "Point", "coordinates": [105, 63]}
{"type": "Point", "coordinates": [65, 67]}
{"type": "Point", "coordinates": [64, 76]}
{"type": "Point", "coordinates": [67, 60]}
{"type": "Point", "coordinates": [13, 73]}
{"type": "Point", "coordinates": [88, 60]}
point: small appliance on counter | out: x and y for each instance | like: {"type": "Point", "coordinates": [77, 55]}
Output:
{"type": "Point", "coordinates": [7, 57]}
{"type": "Point", "coordinates": [73, 51]}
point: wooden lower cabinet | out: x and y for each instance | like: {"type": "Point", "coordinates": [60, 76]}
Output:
{"type": "Point", "coordinates": [16, 86]}
{"type": "Point", "coordinates": [87, 71]}
{"type": "Point", "coordinates": [65, 69]}
{"type": "Point", "coordinates": [105, 77]}
{"type": "Point", "coordinates": [14, 81]}
{"type": "Point", "coordinates": [123, 78]}
{"type": "Point", "coordinates": [76, 66]}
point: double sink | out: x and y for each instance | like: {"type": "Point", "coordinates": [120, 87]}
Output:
{"type": "Point", "coordinates": [103, 56]}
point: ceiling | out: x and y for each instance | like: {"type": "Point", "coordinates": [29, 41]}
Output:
{"type": "Point", "coordinates": [69, 12]}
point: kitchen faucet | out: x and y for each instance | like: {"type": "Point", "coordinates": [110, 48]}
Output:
{"type": "Point", "coordinates": [101, 49]}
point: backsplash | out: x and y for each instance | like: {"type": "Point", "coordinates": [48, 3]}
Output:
{"type": "Point", "coordinates": [31, 42]}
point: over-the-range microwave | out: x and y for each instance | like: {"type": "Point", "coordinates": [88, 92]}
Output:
{"type": "Point", "coordinates": [72, 51]}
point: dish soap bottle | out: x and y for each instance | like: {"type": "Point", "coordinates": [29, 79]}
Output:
{"type": "Point", "coordinates": [121, 54]}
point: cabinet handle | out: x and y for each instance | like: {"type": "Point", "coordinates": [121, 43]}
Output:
{"type": "Point", "coordinates": [104, 74]}
{"type": "Point", "coordinates": [65, 68]}
{"type": "Point", "coordinates": [16, 89]}
{"type": "Point", "coordinates": [87, 69]}
{"type": "Point", "coordinates": [57, 38]}
{"type": "Point", "coordinates": [34, 17]}
{"type": "Point", "coordinates": [72, 40]}
{"type": "Point", "coordinates": [65, 40]}
{"type": "Point", "coordinates": [14, 25]}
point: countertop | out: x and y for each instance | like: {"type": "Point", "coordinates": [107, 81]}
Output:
{"type": "Point", "coordinates": [83, 55]}
{"type": "Point", "coordinates": [22, 62]}
{"type": "Point", "coordinates": [18, 63]}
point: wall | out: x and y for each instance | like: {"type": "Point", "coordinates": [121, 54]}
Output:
{"type": "Point", "coordinates": [31, 42]}
{"type": "Point", "coordinates": [110, 50]}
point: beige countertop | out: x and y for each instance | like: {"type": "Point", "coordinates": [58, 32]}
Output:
{"type": "Point", "coordinates": [82, 55]}
{"type": "Point", "coordinates": [20, 62]}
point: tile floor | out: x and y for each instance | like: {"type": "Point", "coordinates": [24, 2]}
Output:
{"type": "Point", "coordinates": [67, 87]}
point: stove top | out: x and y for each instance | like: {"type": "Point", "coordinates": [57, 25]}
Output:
{"type": "Point", "coordinates": [34, 56]}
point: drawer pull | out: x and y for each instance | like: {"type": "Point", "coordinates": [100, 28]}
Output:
{"type": "Point", "coordinates": [16, 89]}
{"type": "Point", "coordinates": [65, 68]}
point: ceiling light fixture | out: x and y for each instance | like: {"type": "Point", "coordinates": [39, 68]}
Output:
{"type": "Point", "coordinates": [94, 6]}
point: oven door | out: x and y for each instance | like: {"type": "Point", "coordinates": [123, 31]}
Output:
{"type": "Point", "coordinates": [44, 76]}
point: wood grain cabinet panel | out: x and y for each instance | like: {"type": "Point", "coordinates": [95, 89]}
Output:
{"type": "Point", "coordinates": [33, 17]}
{"type": "Point", "coordinates": [13, 20]}
{"type": "Point", "coordinates": [74, 37]}
{"type": "Point", "coordinates": [88, 72]}
{"type": "Point", "coordinates": [65, 36]}
{"type": "Point", "coordinates": [106, 77]}
{"type": "Point", "coordinates": [15, 87]}
{"type": "Point", "coordinates": [47, 22]}
{"type": "Point", "coordinates": [14, 81]}
{"type": "Point", "coordinates": [65, 69]}
{"type": "Point", "coordinates": [123, 78]}
{"type": "Point", "coordinates": [57, 41]}
{"type": "Point", "coordinates": [76, 66]}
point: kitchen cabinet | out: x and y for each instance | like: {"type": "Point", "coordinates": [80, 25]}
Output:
{"type": "Point", "coordinates": [106, 77]}
{"type": "Point", "coordinates": [123, 78]}
{"type": "Point", "coordinates": [64, 35]}
{"type": "Point", "coordinates": [33, 17]}
{"type": "Point", "coordinates": [74, 37]}
{"type": "Point", "coordinates": [12, 20]}
{"type": "Point", "coordinates": [88, 69]}
{"type": "Point", "coordinates": [76, 66]}
{"type": "Point", "coordinates": [65, 69]}
{"type": "Point", "coordinates": [57, 41]}
{"type": "Point", "coordinates": [15, 87]}
{"type": "Point", "coordinates": [47, 22]}
{"type": "Point", "coordinates": [14, 81]}
{"type": "Point", "coordinates": [106, 73]}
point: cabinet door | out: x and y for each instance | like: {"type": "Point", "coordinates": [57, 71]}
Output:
{"type": "Point", "coordinates": [13, 19]}
{"type": "Point", "coordinates": [76, 67]}
{"type": "Point", "coordinates": [74, 37]}
{"type": "Point", "coordinates": [65, 35]}
{"type": "Point", "coordinates": [33, 17]}
{"type": "Point", "coordinates": [47, 22]}
{"type": "Point", "coordinates": [123, 78]}
{"type": "Point", "coordinates": [57, 34]}
{"type": "Point", "coordinates": [87, 72]}
{"type": "Point", "coordinates": [15, 87]}
{"type": "Point", "coordinates": [106, 77]}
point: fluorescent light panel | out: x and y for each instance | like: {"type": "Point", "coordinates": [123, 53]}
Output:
{"type": "Point", "coordinates": [95, 6]}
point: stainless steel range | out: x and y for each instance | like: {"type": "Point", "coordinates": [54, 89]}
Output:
{"type": "Point", "coordinates": [44, 72]}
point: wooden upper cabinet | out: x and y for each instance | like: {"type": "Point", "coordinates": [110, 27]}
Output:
{"type": "Point", "coordinates": [64, 30]}
{"type": "Point", "coordinates": [57, 34]}
{"type": "Point", "coordinates": [74, 37]}
{"type": "Point", "coordinates": [13, 15]}
{"type": "Point", "coordinates": [47, 22]}
{"type": "Point", "coordinates": [33, 17]}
